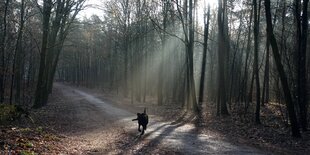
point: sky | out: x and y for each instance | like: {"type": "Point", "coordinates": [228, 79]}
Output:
{"type": "Point", "coordinates": [93, 7]}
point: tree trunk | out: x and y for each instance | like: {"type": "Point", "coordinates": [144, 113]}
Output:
{"type": "Point", "coordinates": [127, 18]}
{"type": "Point", "coordinates": [301, 47]}
{"type": "Point", "coordinates": [256, 70]}
{"type": "Point", "coordinates": [161, 65]}
{"type": "Point", "coordinates": [222, 49]}
{"type": "Point", "coordinates": [265, 96]}
{"type": "Point", "coordinates": [190, 50]}
{"type": "Point", "coordinates": [19, 51]}
{"type": "Point", "coordinates": [204, 57]}
{"type": "Point", "coordinates": [303, 72]}
{"type": "Point", "coordinates": [41, 89]}
{"type": "Point", "coordinates": [2, 51]}
{"type": "Point", "coordinates": [52, 48]}
{"type": "Point", "coordinates": [63, 25]}
{"type": "Point", "coordinates": [283, 78]}
{"type": "Point", "coordinates": [245, 74]}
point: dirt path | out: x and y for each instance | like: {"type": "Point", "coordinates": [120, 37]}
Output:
{"type": "Point", "coordinates": [99, 127]}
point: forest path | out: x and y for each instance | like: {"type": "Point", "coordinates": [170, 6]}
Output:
{"type": "Point", "coordinates": [96, 123]}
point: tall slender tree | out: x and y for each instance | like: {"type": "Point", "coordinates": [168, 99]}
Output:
{"type": "Point", "coordinates": [301, 50]}
{"type": "Point", "coordinates": [2, 48]}
{"type": "Point", "coordinates": [41, 90]}
{"type": "Point", "coordinates": [18, 54]}
{"type": "Point", "coordinates": [283, 77]}
{"type": "Point", "coordinates": [165, 10]}
{"type": "Point", "coordinates": [256, 45]}
{"type": "Point", "coordinates": [204, 56]}
{"type": "Point", "coordinates": [222, 59]}
{"type": "Point", "coordinates": [52, 41]}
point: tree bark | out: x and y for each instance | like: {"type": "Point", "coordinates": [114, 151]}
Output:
{"type": "Point", "coordinates": [127, 19]}
{"type": "Point", "coordinates": [19, 52]}
{"type": "Point", "coordinates": [265, 96]}
{"type": "Point", "coordinates": [190, 53]}
{"type": "Point", "coordinates": [41, 89]}
{"type": "Point", "coordinates": [245, 74]}
{"type": "Point", "coordinates": [63, 30]}
{"type": "Point", "coordinates": [204, 57]}
{"type": "Point", "coordinates": [303, 71]}
{"type": "Point", "coordinates": [301, 47]}
{"type": "Point", "coordinates": [283, 78]}
{"type": "Point", "coordinates": [52, 47]}
{"type": "Point", "coordinates": [222, 50]}
{"type": "Point", "coordinates": [2, 50]}
{"type": "Point", "coordinates": [256, 70]}
{"type": "Point", "coordinates": [161, 65]}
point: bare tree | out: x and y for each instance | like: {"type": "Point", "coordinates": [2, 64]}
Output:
{"type": "Point", "coordinates": [256, 70]}
{"type": "Point", "coordinates": [204, 56]}
{"type": "Point", "coordinates": [2, 49]}
{"type": "Point", "coordinates": [40, 90]}
{"type": "Point", "coordinates": [52, 41]}
{"type": "Point", "coordinates": [283, 77]}
{"type": "Point", "coordinates": [222, 58]}
{"type": "Point", "coordinates": [301, 18]}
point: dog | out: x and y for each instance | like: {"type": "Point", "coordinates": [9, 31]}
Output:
{"type": "Point", "coordinates": [143, 120]}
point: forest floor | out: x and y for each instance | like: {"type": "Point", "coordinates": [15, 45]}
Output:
{"type": "Point", "coordinates": [85, 121]}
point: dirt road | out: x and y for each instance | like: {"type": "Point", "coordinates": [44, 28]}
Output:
{"type": "Point", "coordinates": [97, 126]}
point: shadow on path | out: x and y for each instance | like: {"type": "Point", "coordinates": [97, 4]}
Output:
{"type": "Point", "coordinates": [178, 137]}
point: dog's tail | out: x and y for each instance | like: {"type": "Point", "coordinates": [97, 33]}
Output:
{"type": "Point", "coordinates": [145, 110]}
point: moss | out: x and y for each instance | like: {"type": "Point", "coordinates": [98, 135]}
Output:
{"type": "Point", "coordinates": [11, 112]}
{"type": "Point", "coordinates": [51, 137]}
{"type": "Point", "coordinates": [25, 152]}
{"type": "Point", "coordinates": [6, 112]}
{"type": "Point", "coordinates": [29, 144]}
{"type": "Point", "coordinates": [25, 130]}
{"type": "Point", "coordinates": [39, 129]}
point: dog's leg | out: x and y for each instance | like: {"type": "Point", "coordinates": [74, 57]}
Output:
{"type": "Point", "coordinates": [143, 129]}
{"type": "Point", "coordinates": [139, 128]}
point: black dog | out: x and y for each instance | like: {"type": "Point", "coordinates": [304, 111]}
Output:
{"type": "Point", "coordinates": [143, 120]}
